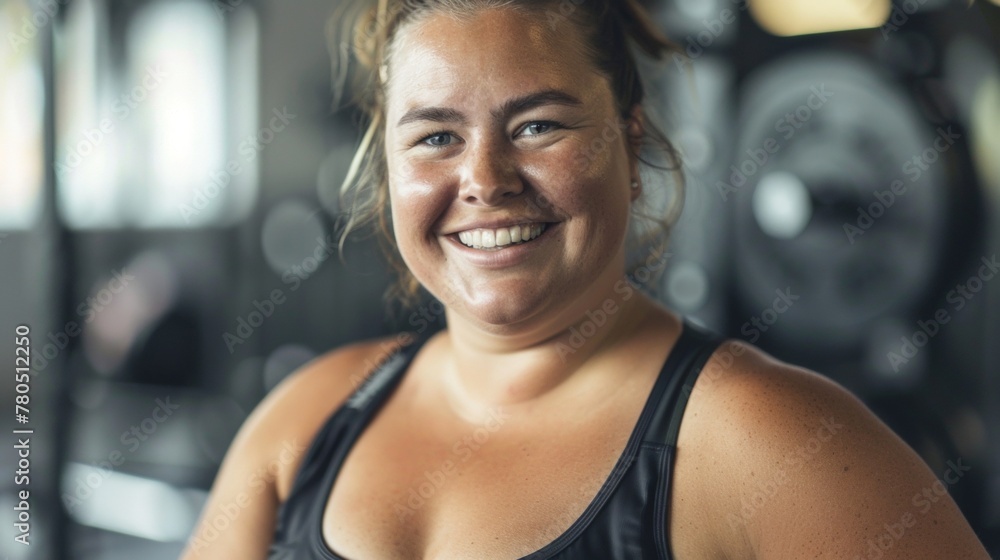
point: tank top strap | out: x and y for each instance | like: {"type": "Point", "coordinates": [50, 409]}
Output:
{"type": "Point", "coordinates": [690, 353]}
{"type": "Point", "coordinates": [360, 404]}
{"type": "Point", "coordinates": [370, 391]}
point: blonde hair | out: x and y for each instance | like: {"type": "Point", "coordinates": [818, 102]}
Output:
{"type": "Point", "coordinates": [609, 29]}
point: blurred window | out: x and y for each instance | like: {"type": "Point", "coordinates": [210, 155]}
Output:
{"type": "Point", "coordinates": [149, 137]}
{"type": "Point", "coordinates": [22, 101]}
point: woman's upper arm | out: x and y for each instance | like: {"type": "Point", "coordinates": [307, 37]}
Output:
{"type": "Point", "coordinates": [239, 516]}
{"type": "Point", "coordinates": [811, 472]}
{"type": "Point", "coordinates": [238, 520]}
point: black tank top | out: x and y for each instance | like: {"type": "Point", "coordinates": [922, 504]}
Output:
{"type": "Point", "coordinates": [626, 520]}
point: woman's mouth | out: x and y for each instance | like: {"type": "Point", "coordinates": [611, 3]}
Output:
{"type": "Point", "coordinates": [501, 238]}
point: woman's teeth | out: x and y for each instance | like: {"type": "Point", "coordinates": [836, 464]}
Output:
{"type": "Point", "coordinates": [494, 238]}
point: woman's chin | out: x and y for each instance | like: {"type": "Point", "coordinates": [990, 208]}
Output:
{"type": "Point", "coordinates": [497, 316]}
{"type": "Point", "coordinates": [499, 310]}
{"type": "Point", "coordinates": [513, 303]}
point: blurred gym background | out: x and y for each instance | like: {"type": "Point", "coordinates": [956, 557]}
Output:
{"type": "Point", "coordinates": [168, 171]}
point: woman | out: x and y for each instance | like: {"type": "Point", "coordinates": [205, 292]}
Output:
{"type": "Point", "coordinates": [561, 414]}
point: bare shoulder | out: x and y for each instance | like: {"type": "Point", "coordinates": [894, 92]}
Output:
{"type": "Point", "coordinates": [288, 418]}
{"type": "Point", "coordinates": [776, 461]}
{"type": "Point", "coordinates": [262, 460]}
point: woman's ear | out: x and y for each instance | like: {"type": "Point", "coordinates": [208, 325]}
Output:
{"type": "Point", "coordinates": [636, 128]}
{"type": "Point", "coordinates": [634, 131]}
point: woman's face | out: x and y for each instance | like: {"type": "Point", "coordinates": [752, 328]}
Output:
{"type": "Point", "coordinates": [500, 128]}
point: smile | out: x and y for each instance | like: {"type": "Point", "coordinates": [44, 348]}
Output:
{"type": "Point", "coordinates": [497, 239]}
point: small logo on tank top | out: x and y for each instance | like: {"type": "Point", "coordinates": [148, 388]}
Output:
{"type": "Point", "coordinates": [375, 382]}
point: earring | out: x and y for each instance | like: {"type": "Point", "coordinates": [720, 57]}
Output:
{"type": "Point", "coordinates": [635, 185]}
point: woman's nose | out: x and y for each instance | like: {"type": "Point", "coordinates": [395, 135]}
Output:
{"type": "Point", "coordinates": [489, 175]}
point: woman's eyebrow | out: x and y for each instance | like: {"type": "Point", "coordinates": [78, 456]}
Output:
{"type": "Point", "coordinates": [505, 111]}
{"type": "Point", "coordinates": [532, 100]}
{"type": "Point", "coordinates": [433, 114]}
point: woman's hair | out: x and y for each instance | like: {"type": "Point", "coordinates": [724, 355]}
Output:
{"type": "Point", "coordinates": [362, 36]}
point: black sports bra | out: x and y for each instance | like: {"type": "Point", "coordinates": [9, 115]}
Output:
{"type": "Point", "coordinates": [626, 520]}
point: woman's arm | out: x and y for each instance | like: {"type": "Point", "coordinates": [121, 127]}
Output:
{"type": "Point", "coordinates": [802, 469]}
{"type": "Point", "coordinates": [238, 520]}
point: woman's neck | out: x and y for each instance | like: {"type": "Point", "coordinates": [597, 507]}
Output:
{"type": "Point", "coordinates": [483, 369]}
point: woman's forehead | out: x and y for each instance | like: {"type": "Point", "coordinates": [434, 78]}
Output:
{"type": "Point", "coordinates": [494, 48]}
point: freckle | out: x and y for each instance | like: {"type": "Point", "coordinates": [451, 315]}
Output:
{"type": "Point", "coordinates": [845, 469]}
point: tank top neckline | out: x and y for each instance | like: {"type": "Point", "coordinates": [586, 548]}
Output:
{"type": "Point", "coordinates": [635, 441]}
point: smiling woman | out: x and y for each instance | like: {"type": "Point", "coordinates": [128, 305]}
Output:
{"type": "Point", "coordinates": [583, 95]}
{"type": "Point", "coordinates": [562, 413]}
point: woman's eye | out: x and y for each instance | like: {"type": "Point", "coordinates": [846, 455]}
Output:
{"type": "Point", "coordinates": [438, 140]}
{"type": "Point", "coordinates": [534, 129]}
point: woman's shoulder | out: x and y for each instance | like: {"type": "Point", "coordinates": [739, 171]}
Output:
{"type": "Point", "coordinates": [789, 464]}
{"type": "Point", "coordinates": [291, 414]}
{"type": "Point", "coordinates": [262, 460]}
{"type": "Point", "coordinates": [759, 405]}
{"type": "Point", "coordinates": [337, 372]}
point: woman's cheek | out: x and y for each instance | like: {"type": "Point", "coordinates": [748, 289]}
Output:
{"type": "Point", "coordinates": [594, 157]}
{"type": "Point", "coordinates": [418, 198]}
{"type": "Point", "coordinates": [577, 177]}
{"type": "Point", "coordinates": [414, 182]}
